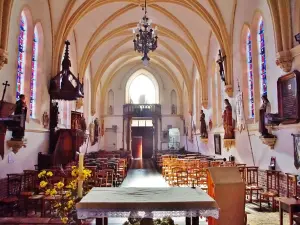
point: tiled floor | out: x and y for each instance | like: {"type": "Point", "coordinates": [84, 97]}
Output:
{"type": "Point", "coordinates": [144, 174]}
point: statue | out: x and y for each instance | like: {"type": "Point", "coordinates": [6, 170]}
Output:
{"type": "Point", "coordinates": [45, 120]}
{"type": "Point", "coordinates": [173, 109]}
{"type": "Point", "coordinates": [221, 66]}
{"type": "Point", "coordinates": [264, 111]}
{"type": "Point", "coordinates": [96, 133]}
{"type": "Point", "coordinates": [83, 124]}
{"type": "Point", "coordinates": [110, 110]}
{"type": "Point", "coordinates": [21, 109]}
{"type": "Point", "coordinates": [54, 115]}
{"type": "Point", "coordinates": [203, 129]}
{"type": "Point", "coordinates": [227, 121]}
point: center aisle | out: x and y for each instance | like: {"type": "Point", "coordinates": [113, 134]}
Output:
{"type": "Point", "coordinates": [143, 173]}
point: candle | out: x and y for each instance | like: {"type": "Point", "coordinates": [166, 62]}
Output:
{"type": "Point", "coordinates": [80, 171]}
{"type": "Point", "coordinates": [80, 188]}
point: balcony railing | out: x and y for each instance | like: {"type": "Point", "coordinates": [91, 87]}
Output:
{"type": "Point", "coordinates": [142, 110]}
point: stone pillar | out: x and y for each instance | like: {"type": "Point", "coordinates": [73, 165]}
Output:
{"type": "Point", "coordinates": [128, 133]}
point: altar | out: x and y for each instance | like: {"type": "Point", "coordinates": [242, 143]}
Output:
{"type": "Point", "coordinates": [121, 202]}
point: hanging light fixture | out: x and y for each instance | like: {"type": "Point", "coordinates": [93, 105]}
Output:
{"type": "Point", "coordinates": [145, 37]}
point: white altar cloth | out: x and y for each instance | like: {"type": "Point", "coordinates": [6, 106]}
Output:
{"type": "Point", "coordinates": [147, 202]}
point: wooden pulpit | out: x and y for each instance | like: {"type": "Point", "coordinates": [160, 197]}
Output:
{"type": "Point", "coordinates": [226, 186]}
{"type": "Point", "coordinates": [6, 110]}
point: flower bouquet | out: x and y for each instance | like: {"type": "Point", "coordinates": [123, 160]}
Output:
{"type": "Point", "coordinates": [64, 194]}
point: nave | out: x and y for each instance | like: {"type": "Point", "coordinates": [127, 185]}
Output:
{"type": "Point", "coordinates": [143, 173]}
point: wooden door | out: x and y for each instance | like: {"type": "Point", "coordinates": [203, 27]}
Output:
{"type": "Point", "coordinates": [147, 140]}
{"type": "Point", "coordinates": [137, 147]}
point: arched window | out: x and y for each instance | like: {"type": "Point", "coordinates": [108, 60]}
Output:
{"type": "Point", "coordinates": [21, 55]}
{"type": "Point", "coordinates": [262, 57]}
{"type": "Point", "coordinates": [250, 75]}
{"type": "Point", "coordinates": [34, 67]}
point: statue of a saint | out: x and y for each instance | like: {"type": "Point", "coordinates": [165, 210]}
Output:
{"type": "Point", "coordinates": [110, 110]}
{"type": "Point", "coordinates": [264, 110]}
{"type": "Point", "coordinates": [96, 127]}
{"type": "Point", "coordinates": [203, 128]}
{"type": "Point", "coordinates": [21, 109]}
{"type": "Point", "coordinates": [54, 113]}
{"type": "Point", "coordinates": [173, 109]}
{"type": "Point", "coordinates": [45, 120]}
{"type": "Point", "coordinates": [227, 121]}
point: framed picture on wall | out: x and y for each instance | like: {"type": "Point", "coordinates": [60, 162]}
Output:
{"type": "Point", "coordinates": [217, 141]}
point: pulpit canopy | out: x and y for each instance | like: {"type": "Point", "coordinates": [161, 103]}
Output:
{"type": "Point", "coordinates": [65, 86]}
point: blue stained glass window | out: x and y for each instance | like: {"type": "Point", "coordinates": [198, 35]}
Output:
{"type": "Point", "coordinates": [262, 58]}
{"type": "Point", "coordinates": [21, 55]}
{"type": "Point", "coordinates": [33, 74]}
{"type": "Point", "coordinates": [250, 76]}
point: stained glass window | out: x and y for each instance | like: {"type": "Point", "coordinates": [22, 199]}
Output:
{"type": "Point", "coordinates": [21, 55]}
{"type": "Point", "coordinates": [33, 73]}
{"type": "Point", "coordinates": [250, 76]}
{"type": "Point", "coordinates": [262, 58]}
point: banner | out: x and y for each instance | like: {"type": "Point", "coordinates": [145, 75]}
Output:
{"type": "Point", "coordinates": [240, 119]}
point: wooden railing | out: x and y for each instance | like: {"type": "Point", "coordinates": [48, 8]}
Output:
{"type": "Point", "coordinates": [142, 110]}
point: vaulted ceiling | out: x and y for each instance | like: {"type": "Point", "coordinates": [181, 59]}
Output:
{"type": "Point", "coordinates": [103, 30]}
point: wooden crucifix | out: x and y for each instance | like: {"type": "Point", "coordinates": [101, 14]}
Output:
{"type": "Point", "coordinates": [220, 62]}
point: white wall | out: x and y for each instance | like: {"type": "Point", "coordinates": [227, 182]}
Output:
{"type": "Point", "coordinates": [36, 135]}
{"type": "Point", "coordinates": [262, 153]}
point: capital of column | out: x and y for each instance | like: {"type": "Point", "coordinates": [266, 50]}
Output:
{"type": "Point", "coordinates": [284, 60]}
{"type": "Point", "coordinates": [3, 58]}
{"type": "Point", "coordinates": [205, 103]}
{"type": "Point", "coordinates": [229, 90]}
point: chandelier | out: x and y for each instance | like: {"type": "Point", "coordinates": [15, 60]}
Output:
{"type": "Point", "coordinates": [145, 37]}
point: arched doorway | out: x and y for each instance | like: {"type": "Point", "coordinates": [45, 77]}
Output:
{"type": "Point", "coordinates": [142, 98]}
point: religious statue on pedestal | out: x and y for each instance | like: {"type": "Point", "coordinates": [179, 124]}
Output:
{"type": "Point", "coordinates": [264, 110]}
{"type": "Point", "coordinates": [227, 121]}
{"type": "Point", "coordinates": [203, 128]}
{"type": "Point", "coordinates": [21, 109]}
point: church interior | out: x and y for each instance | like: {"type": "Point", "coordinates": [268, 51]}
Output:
{"type": "Point", "coordinates": [150, 112]}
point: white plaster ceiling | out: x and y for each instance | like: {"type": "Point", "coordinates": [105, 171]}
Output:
{"type": "Point", "coordinates": [185, 21]}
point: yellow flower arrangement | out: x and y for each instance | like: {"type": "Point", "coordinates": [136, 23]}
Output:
{"type": "Point", "coordinates": [60, 185]}
{"type": "Point", "coordinates": [49, 174]}
{"type": "Point", "coordinates": [53, 192]}
{"type": "Point", "coordinates": [41, 174]}
{"type": "Point", "coordinates": [64, 220]}
{"type": "Point", "coordinates": [48, 191]}
{"type": "Point", "coordinates": [43, 184]}
{"type": "Point", "coordinates": [65, 205]}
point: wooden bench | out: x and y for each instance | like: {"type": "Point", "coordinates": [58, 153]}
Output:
{"type": "Point", "coordinates": [28, 220]}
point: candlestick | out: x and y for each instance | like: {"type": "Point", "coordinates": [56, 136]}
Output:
{"type": "Point", "coordinates": [80, 174]}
